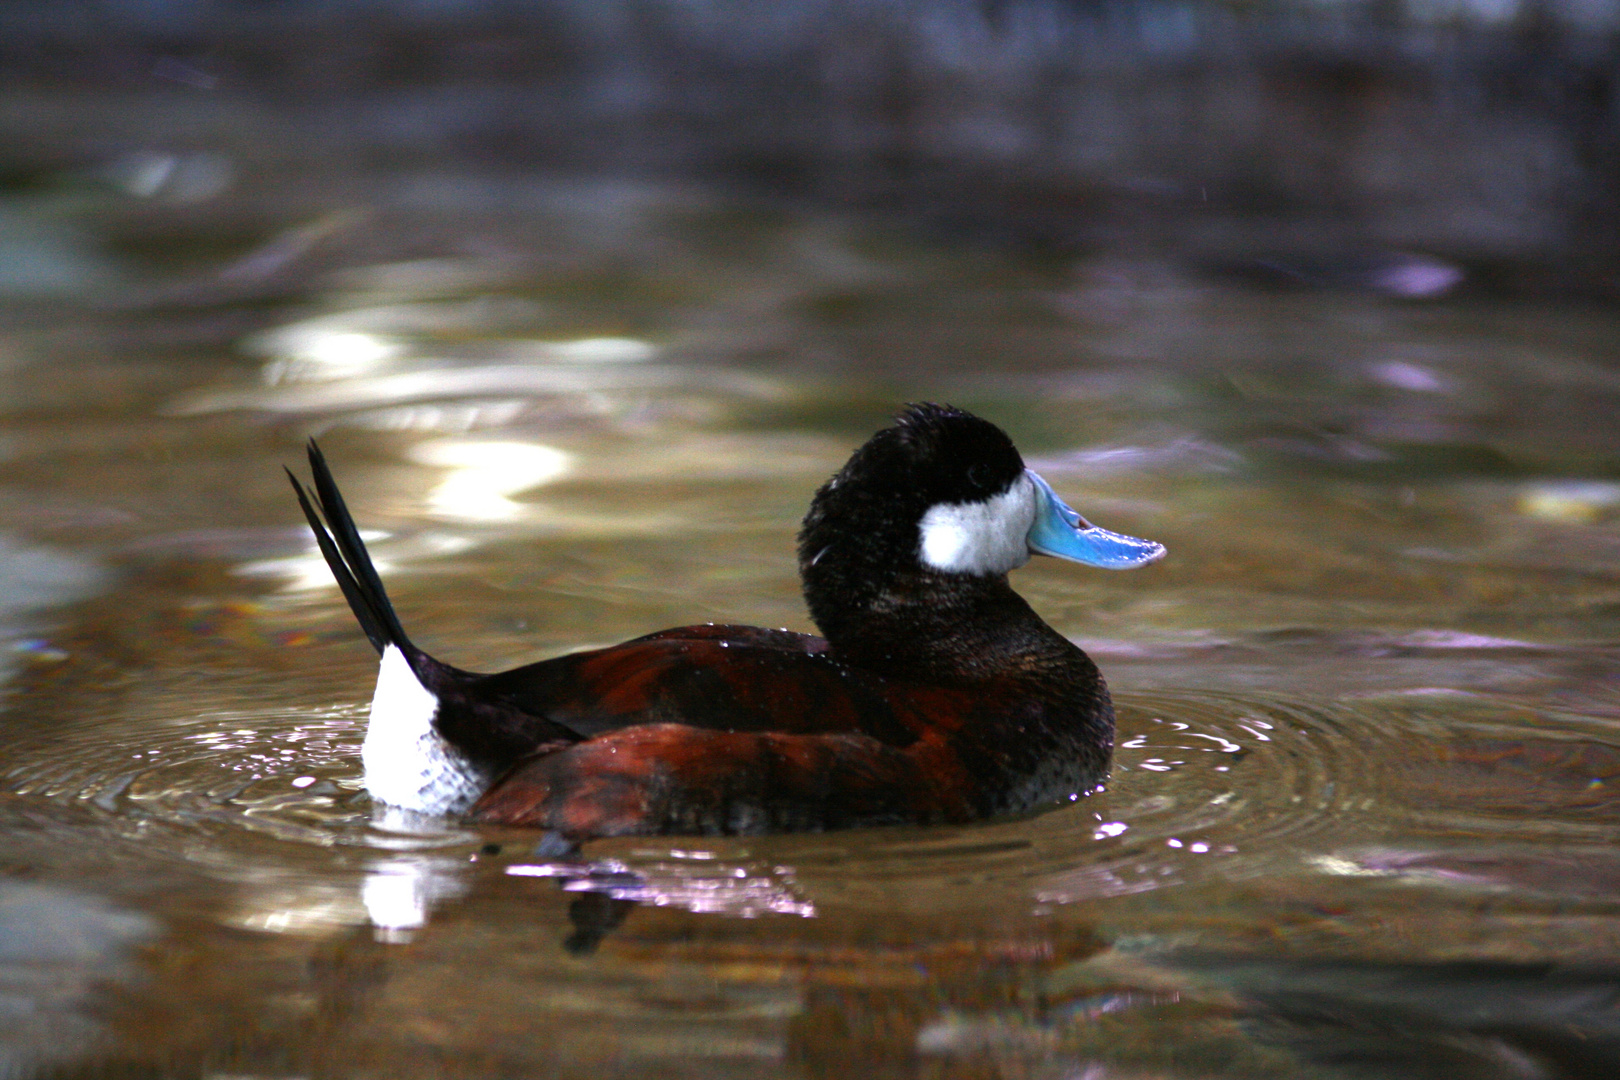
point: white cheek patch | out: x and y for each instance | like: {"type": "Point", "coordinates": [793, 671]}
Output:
{"type": "Point", "coordinates": [989, 537]}
{"type": "Point", "coordinates": [407, 763]}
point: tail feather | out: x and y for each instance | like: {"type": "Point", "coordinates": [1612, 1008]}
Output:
{"type": "Point", "coordinates": [346, 556]}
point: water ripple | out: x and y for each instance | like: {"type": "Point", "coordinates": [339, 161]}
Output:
{"type": "Point", "coordinates": [290, 774]}
{"type": "Point", "coordinates": [1206, 786]}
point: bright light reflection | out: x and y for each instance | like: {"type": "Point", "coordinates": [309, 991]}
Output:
{"type": "Point", "coordinates": [457, 416]}
{"type": "Point", "coordinates": [1570, 502]}
{"type": "Point", "coordinates": [308, 572]}
{"type": "Point", "coordinates": [603, 350]}
{"type": "Point", "coordinates": [1340, 866]}
{"type": "Point", "coordinates": [313, 353]}
{"type": "Point", "coordinates": [485, 474]}
{"type": "Point", "coordinates": [743, 892]}
{"type": "Point", "coordinates": [313, 910]}
{"type": "Point", "coordinates": [400, 894]}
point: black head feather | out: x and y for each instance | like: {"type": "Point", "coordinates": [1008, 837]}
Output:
{"type": "Point", "coordinates": [860, 535]}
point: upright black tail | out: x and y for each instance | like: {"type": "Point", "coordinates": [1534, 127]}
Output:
{"type": "Point", "coordinates": [346, 556]}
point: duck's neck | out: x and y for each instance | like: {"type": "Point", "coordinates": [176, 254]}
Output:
{"type": "Point", "coordinates": [946, 628]}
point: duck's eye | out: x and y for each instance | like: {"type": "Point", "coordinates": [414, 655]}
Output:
{"type": "Point", "coordinates": [978, 475]}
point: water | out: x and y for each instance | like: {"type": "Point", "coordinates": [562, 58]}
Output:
{"type": "Point", "coordinates": [1362, 815]}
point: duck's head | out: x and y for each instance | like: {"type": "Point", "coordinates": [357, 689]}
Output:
{"type": "Point", "coordinates": [939, 496]}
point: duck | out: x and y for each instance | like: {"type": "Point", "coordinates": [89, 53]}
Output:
{"type": "Point", "coordinates": [933, 694]}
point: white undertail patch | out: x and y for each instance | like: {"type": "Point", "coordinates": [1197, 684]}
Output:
{"type": "Point", "coordinates": [986, 537]}
{"type": "Point", "coordinates": [407, 763]}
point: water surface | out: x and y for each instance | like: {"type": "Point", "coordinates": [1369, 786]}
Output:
{"type": "Point", "coordinates": [1362, 815]}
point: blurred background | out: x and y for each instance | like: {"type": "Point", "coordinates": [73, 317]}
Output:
{"type": "Point", "coordinates": [1410, 147]}
{"type": "Point", "coordinates": [584, 298]}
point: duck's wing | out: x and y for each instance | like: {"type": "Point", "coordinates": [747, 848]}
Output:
{"type": "Point", "coordinates": [652, 779]}
{"type": "Point", "coordinates": [717, 678]}
{"type": "Point", "coordinates": [723, 730]}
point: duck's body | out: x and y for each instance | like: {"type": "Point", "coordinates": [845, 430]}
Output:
{"type": "Point", "coordinates": [937, 695]}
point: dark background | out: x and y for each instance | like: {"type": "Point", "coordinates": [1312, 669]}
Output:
{"type": "Point", "coordinates": [1300, 144]}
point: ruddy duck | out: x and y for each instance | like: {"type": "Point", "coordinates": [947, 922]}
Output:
{"type": "Point", "coordinates": [936, 694]}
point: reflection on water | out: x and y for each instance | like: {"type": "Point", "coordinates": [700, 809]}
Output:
{"type": "Point", "coordinates": [57, 946]}
{"type": "Point", "coordinates": [1368, 747]}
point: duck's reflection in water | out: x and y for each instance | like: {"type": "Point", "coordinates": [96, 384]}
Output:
{"type": "Point", "coordinates": [399, 896]}
{"type": "Point", "coordinates": [691, 880]}
{"type": "Point", "coordinates": [400, 892]}
{"type": "Point", "coordinates": [594, 915]}
{"type": "Point", "coordinates": [735, 942]}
